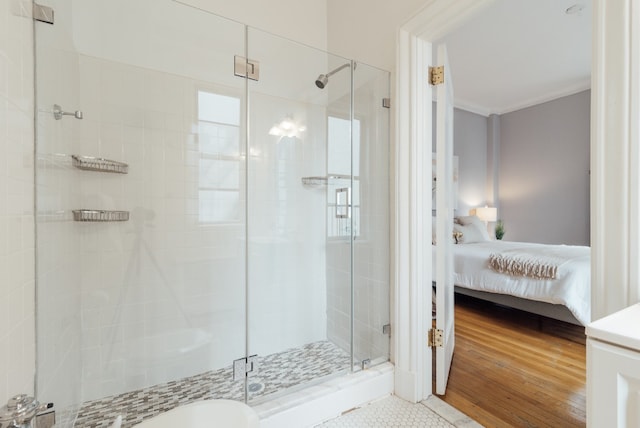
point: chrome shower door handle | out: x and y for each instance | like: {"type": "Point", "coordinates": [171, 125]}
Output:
{"type": "Point", "coordinates": [343, 202]}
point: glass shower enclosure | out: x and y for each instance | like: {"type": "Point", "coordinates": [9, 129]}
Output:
{"type": "Point", "coordinates": [211, 221]}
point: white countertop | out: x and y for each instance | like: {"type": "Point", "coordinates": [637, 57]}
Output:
{"type": "Point", "coordinates": [621, 328]}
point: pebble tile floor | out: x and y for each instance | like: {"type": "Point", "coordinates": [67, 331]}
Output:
{"type": "Point", "coordinates": [394, 412]}
{"type": "Point", "coordinates": [277, 372]}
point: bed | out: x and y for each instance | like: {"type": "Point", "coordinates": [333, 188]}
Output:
{"type": "Point", "coordinates": [563, 292]}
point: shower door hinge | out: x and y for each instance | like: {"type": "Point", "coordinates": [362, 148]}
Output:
{"type": "Point", "coordinates": [42, 13]}
{"type": "Point", "coordinates": [247, 68]}
{"type": "Point", "coordinates": [386, 102]}
{"type": "Point", "coordinates": [436, 75]}
{"type": "Point", "coordinates": [435, 338]}
{"type": "Point", "coordinates": [245, 367]}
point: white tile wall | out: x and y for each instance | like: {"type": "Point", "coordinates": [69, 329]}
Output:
{"type": "Point", "coordinates": [137, 294]}
{"type": "Point", "coordinates": [119, 301]}
{"type": "Point", "coordinates": [17, 301]}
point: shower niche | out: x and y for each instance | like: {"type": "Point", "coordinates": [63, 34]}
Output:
{"type": "Point", "coordinates": [228, 254]}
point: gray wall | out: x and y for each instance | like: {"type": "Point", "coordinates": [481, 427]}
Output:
{"type": "Point", "coordinates": [470, 145]}
{"type": "Point", "coordinates": [544, 172]}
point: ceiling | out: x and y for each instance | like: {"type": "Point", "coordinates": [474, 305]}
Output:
{"type": "Point", "coordinates": [518, 53]}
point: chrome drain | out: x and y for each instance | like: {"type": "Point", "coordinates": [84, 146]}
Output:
{"type": "Point", "coordinates": [255, 387]}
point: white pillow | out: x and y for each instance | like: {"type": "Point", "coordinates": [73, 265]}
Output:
{"type": "Point", "coordinates": [470, 233]}
{"type": "Point", "coordinates": [472, 219]}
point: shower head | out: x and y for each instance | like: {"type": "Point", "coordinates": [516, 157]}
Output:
{"type": "Point", "coordinates": [323, 79]}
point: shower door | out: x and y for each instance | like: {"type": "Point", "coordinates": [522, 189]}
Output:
{"type": "Point", "coordinates": [297, 201]}
{"type": "Point", "coordinates": [371, 325]}
{"type": "Point", "coordinates": [317, 215]}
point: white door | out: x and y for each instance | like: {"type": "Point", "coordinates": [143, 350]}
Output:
{"type": "Point", "coordinates": [444, 223]}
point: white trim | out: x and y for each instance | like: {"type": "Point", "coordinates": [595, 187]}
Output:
{"type": "Point", "coordinates": [412, 132]}
{"type": "Point", "coordinates": [487, 111]}
{"type": "Point", "coordinates": [439, 17]}
{"type": "Point", "coordinates": [634, 156]}
{"type": "Point", "coordinates": [614, 157]}
{"type": "Point", "coordinates": [472, 108]}
{"type": "Point", "coordinates": [565, 92]}
{"type": "Point", "coordinates": [412, 305]}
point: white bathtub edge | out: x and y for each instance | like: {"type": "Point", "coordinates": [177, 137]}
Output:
{"type": "Point", "coordinates": [310, 407]}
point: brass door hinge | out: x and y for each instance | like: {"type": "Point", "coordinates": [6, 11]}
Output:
{"type": "Point", "coordinates": [435, 338]}
{"type": "Point", "coordinates": [436, 75]}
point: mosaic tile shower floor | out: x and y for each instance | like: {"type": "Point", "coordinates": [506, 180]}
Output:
{"type": "Point", "coordinates": [277, 372]}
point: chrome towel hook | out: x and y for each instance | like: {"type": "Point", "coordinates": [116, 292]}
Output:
{"type": "Point", "coordinates": [58, 113]}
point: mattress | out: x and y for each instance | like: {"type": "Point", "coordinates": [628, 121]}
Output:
{"type": "Point", "coordinates": [571, 287]}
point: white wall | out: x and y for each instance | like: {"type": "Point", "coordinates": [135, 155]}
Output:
{"type": "Point", "coordinates": [302, 20]}
{"type": "Point", "coordinates": [544, 172]}
{"type": "Point", "coordinates": [366, 29]}
{"type": "Point", "coordinates": [17, 277]}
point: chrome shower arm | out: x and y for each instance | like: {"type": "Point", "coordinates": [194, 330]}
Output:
{"type": "Point", "coordinates": [332, 72]}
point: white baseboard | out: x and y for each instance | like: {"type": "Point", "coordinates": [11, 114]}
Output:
{"type": "Point", "coordinates": [406, 386]}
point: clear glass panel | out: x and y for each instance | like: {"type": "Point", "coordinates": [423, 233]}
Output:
{"type": "Point", "coordinates": [231, 249]}
{"type": "Point", "coordinates": [371, 208]}
{"type": "Point", "coordinates": [160, 298]}
{"type": "Point", "coordinates": [299, 289]}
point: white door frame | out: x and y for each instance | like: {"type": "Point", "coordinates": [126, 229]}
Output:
{"type": "Point", "coordinates": [615, 156]}
{"type": "Point", "coordinates": [615, 171]}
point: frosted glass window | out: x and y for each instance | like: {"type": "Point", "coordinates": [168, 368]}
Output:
{"type": "Point", "coordinates": [215, 138]}
{"type": "Point", "coordinates": [218, 206]}
{"type": "Point", "coordinates": [219, 167]}
{"type": "Point", "coordinates": [222, 174]}
{"type": "Point", "coordinates": [218, 108]}
{"type": "Point", "coordinates": [339, 146]}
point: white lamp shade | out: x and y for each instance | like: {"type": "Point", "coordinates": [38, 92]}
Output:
{"type": "Point", "coordinates": [487, 213]}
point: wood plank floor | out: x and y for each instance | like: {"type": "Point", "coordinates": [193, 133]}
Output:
{"type": "Point", "coordinates": [514, 369]}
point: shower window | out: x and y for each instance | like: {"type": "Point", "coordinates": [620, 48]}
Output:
{"type": "Point", "coordinates": [339, 156]}
{"type": "Point", "coordinates": [220, 159]}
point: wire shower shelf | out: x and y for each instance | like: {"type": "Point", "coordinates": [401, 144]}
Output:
{"type": "Point", "coordinates": [100, 215]}
{"type": "Point", "coordinates": [90, 163]}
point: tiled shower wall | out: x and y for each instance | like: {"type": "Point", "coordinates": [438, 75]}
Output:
{"type": "Point", "coordinates": [17, 302]}
{"type": "Point", "coordinates": [161, 280]}
{"type": "Point", "coordinates": [122, 301]}
{"type": "Point", "coordinates": [161, 297]}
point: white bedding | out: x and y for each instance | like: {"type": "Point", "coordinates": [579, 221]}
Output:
{"type": "Point", "coordinates": [571, 288]}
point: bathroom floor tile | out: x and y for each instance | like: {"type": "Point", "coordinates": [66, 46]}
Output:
{"type": "Point", "coordinates": [394, 412]}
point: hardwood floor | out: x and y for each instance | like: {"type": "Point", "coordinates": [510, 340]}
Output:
{"type": "Point", "coordinates": [511, 368]}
